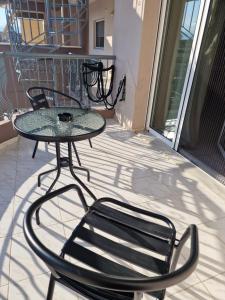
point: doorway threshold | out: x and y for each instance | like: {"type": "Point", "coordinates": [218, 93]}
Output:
{"type": "Point", "coordinates": [216, 175]}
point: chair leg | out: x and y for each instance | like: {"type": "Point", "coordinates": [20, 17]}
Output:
{"type": "Point", "coordinates": [51, 287]}
{"type": "Point", "coordinates": [90, 143]}
{"type": "Point", "coordinates": [35, 149]}
{"type": "Point", "coordinates": [77, 156]}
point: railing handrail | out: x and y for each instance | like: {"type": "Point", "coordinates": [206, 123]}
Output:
{"type": "Point", "coordinates": [56, 56]}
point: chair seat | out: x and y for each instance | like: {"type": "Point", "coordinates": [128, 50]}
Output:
{"type": "Point", "coordinates": [117, 239]}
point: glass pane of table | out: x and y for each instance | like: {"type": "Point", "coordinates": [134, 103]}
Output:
{"type": "Point", "coordinates": [44, 123]}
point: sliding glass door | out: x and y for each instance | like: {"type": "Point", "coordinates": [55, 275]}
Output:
{"type": "Point", "coordinates": [202, 137]}
{"type": "Point", "coordinates": [181, 25]}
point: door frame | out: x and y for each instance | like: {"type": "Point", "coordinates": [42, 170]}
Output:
{"type": "Point", "coordinates": [152, 88]}
{"type": "Point", "coordinates": [192, 63]}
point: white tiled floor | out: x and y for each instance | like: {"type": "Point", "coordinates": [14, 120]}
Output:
{"type": "Point", "coordinates": [134, 168]}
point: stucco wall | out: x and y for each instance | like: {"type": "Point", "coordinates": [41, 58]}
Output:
{"type": "Point", "coordinates": [135, 31]}
{"type": "Point", "coordinates": [146, 62]}
{"type": "Point", "coordinates": [101, 9]}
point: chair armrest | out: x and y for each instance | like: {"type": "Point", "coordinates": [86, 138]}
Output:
{"type": "Point", "coordinates": [179, 247]}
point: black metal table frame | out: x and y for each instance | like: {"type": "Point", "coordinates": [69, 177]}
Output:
{"type": "Point", "coordinates": [63, 161]}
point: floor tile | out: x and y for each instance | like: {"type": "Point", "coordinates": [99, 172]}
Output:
{"type": "Point", "coordinates": [6, 218]}
{"type": "Point", "coordinates": [215, 227]}
{"type": "Point", "coordinates": [216, 286]}
{"type": "Point", "coordinates": [49, 213]}
{"type": "Point", "coordinates": [5, 247]}
{"type": "Point", "coordinates": [4, 292]}
{"type": "Point", "coordinates": [24, 263]}
{"type": "Point", "coordinates": [196, 292]}
{"type": "Point", "coordinates": [36, 289]}
{"type": "Point", "coordinates": [212, 259]}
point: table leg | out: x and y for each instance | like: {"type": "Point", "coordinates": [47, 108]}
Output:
{"type": "Point", "coordinates": [58, 168]}
{"type": "Point", "coordinates": [74, 175]}
{"type": "Point", "coordinates": [46, 172]}
{"type": "Point", "coordinates": [77, 155]}
{"type": "Point", "coordinates": [83, 169]}
{"type": "Point", "coordinates": [35, 149]}
{"type": "Point", "coordinates": [90, 143]}
{"type": "Point", "coordinates": [78, 159]}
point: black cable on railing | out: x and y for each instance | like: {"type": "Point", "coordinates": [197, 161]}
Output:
{"type": "Point", "coordinates": [95, 76]}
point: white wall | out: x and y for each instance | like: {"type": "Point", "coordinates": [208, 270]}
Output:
{"type": "Point", "coordinates": [135, 35]}
{"type": "Point", "coordinates": [128, 19]}
{"type": "Point", "coordinates": [101, 9]}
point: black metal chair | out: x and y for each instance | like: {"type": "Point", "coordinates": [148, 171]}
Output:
{"type": "Point", "coordinates": [43, 97]}
{"type": "Point", "coordinates": [114, 228]}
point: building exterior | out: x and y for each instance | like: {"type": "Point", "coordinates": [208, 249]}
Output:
{"type": "Point", "coordinates": [60, 27]}
{"type": "Point", "coordinates": [101, 13]}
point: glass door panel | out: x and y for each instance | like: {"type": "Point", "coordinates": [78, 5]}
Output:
{"type": "Point", "coordinates": [179, 32]}
{"type": "Point", "coordinates": [202, 137]}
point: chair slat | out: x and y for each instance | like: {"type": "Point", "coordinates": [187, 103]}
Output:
{"type": "Point", "coordinates": [130, 235]}
{"type": "Point", "coordinates": [93, 293]}
{"type": "Point", "coordinates": [138, 258]}
{"type": "Point", "coordinates": [98, 262]}
{"type": "Point", "coordinates": [143, 225]}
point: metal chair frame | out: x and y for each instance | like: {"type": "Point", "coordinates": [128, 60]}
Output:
{"type": "Point", "coordinates": [111, 284]}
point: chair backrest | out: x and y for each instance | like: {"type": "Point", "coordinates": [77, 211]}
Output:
{"type": "Point", "coordinates": [43, 97]}
{"type": "Point", "coordinates": [37, 98]}
{"type": "Point", "coordinates": [62, 267]}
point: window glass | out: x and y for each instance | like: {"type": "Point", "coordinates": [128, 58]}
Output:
{"type": "Point", "coordinates": [99, 34]}
{"type": "Point", "coordinates": [4, 37]}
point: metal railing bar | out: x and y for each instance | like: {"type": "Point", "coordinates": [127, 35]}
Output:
{"type": "Point", "coordinates": [59, 56]}
{"type": "Point", "coordinates": [46, 70]}
{"type": "Point", "coordinates": [62, 15]}
{"type": "Point", "coordinates": [56, 26]}
{"type": "Point", "coordinates": [37, 17]}
{"type": "Point", "coordinates": [78, 26]}
{"type": "Point", "coordinates": [28, 8]}
{"type": "Point", "coordinates": [47, 16]}
{"type": "Point", "coordinates": [22, 21]}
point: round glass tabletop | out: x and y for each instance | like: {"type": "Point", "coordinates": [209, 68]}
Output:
{"type": "Point", "coordinates": [45, 124]}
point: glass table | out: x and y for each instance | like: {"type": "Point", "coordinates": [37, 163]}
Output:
{"type": "Point", "coordinates": [61, 125]}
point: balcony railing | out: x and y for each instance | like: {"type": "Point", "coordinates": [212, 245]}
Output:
{"type": "Point", "coordinates": [63, 72]}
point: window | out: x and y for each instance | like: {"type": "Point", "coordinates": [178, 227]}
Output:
{"type": "Point", "coordinates": [99, 34]}
{"type": "Point", "coordinates": [4, 36]}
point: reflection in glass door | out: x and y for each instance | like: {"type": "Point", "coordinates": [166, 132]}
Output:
{"type": "Point", "coordinates": [202, 138]}
{"type": "Point", "coordinates": [177, 43]}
